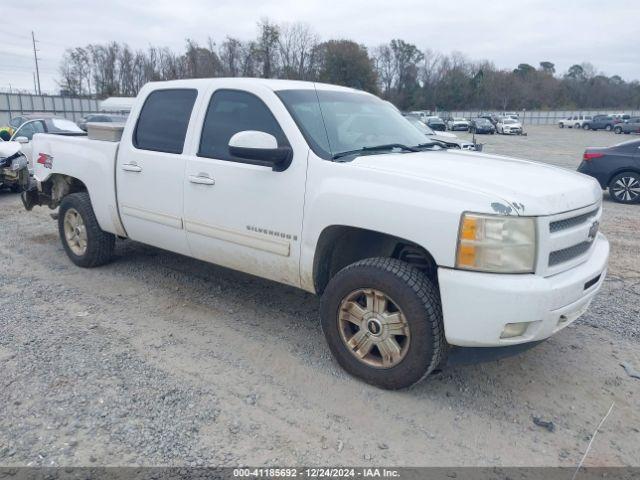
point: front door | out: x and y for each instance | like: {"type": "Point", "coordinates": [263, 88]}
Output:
{"type": "Point", "coordinates": [28, 130]}
{"type": "Point", "coordinates": [238, 215]}
{"type": "Point", "coordinates": [150, 170]}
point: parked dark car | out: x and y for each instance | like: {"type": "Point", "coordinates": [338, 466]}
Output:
{"type": "Point", "coordinates": [436, 123]}
{"type": "Point", "coordinates": [491, 117]}
{"type": "Point", "coordinates": [632, 125]}
{"type": "Point", "coordinates": [100, 118]}
{"type": "Point", "coordinates": [616, 168]}
{"type": "Point", "coordinates": [482, 125]}
{"type": "Point", "coordinates": [600, 122]}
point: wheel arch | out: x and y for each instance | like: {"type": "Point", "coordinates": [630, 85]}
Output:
{"type": "Point", "coordinates": [339, 246]}
{"type": "Point", "coordinates": [622, 170]}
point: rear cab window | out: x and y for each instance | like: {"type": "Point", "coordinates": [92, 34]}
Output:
{"type": "Point", "coordinates": [164, 119]}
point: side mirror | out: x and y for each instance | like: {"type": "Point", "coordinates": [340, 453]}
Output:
{"type": "Point", "coordinates": [260, 148]}
{"type": "Point", "coordinates": [21, 139]}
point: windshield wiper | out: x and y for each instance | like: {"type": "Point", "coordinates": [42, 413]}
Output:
{"type": "Point", "coordinates": [433, 143]}
{"type": "Point", "coordinates": [376, 148]}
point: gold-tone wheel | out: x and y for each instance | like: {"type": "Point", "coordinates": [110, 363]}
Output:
{"type": "Point", "coordinates": [373, 328]}
{"type": "Point", "coordinates": [75, 232]}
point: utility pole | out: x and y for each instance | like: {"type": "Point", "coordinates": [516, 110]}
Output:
{"type": "Point", "coordinates": [35, 87]}
{"type": "Point", "coordinates": [35, 56]}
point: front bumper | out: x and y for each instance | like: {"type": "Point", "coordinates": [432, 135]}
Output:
{"type": "Point", "coordinates": [477, 306]}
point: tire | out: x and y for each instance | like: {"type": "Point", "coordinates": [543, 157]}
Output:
{"type": "Point", "coordinates": [586, 126]}
{"type": "Point", "coordinates": [561, 125]}
{"type": "Point", "coordinates": [410, 295]}
{"type": "Point", "coordinates": [608, 128]}
{"type": "Point", "coordinates": [97, 248]}
{"type": "Point", "coordinates": [577, 125]}
{"type": "Point", "coordinates": [617, 130]}
{"type": "Point", "coordinates": [625, 188]}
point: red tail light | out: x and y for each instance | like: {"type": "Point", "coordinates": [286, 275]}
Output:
{"type": "Point", "coordinates": [588, 156]}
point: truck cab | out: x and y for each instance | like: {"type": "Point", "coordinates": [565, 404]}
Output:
{"type": "Point", "coordinates": [418, 251]}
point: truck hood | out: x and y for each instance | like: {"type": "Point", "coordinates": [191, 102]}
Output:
{"type": "Point", "coordinates": [9, 149]}
{"type": "Point", "coordinates": [518, 186]}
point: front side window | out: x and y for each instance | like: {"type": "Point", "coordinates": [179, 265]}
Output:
{"type": "Point", "coordinates": [230, 112]}
{"type": "Point", "coordinates": [164, 119]}
{"type": "Point", "coordinates": [28, 130]}
{"type": "Point", "coordinates": [337, 121]}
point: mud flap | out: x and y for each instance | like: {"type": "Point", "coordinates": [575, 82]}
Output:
{"type": "Point", "coordinates": [30, 195]}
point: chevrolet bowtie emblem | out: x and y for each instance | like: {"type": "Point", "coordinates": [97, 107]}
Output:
{"type": "Point", "coordinates": [593, 231]}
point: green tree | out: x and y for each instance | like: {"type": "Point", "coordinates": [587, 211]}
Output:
{"type": "Point", "coordinates": [347, 63]}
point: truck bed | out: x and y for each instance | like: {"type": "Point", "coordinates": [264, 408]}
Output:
{"type": "Point", "coordinates": [90, 161]}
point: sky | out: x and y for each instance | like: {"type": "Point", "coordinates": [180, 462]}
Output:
{"type": "Point", "coordinates": [507, 33]}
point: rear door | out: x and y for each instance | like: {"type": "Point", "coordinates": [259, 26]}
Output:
{"type": "Point", "coordinates": [242, 216]}
{"type": "Point", "coordinates": [150, 169]}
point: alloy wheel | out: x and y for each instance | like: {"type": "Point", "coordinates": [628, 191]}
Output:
{"type": "Point", "coordinates": [75, 232]}
{"type": "Point", "coordinates": [373, 328]}
{"type": "Point", "coordinates": [627, 188]}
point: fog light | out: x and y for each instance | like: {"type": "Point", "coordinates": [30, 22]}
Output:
{"type": "Point", "coordinates": [514, 329]}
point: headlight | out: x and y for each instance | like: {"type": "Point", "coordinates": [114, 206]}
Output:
{"type": "Point", "coordinates": [19, 163]}
{"type": "Point", "coordinates": [496, 243]}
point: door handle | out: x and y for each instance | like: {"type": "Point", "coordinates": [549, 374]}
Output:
{"type": "Point", "coordinates": [131, 167]}
{"type": "Point", "coordinates": [202, 179]}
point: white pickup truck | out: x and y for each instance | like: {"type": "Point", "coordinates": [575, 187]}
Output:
{"type": "Point", "coordinates": [417, 251]}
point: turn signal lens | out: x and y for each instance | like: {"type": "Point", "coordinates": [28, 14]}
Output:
{"type": "Point", "coordinates": [496, 243]}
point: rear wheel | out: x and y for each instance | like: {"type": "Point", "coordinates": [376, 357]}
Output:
{"type": "Point", "coordinates": [586, 126]}
{"type": "Point", "coordinates": [625, 187]}
{"type": "Point", "coordinates": [83, 240]}
{"type": "Point", "coordinates": [577, 125]}
{"type": "Point", "coordinates": [561, 125]}
{"type": "Point", "coordinates": [618, 130]}
{"type": "Point", "coordinates": [608, 128]}
{"type": "Point", "coordinates": [383, 322]}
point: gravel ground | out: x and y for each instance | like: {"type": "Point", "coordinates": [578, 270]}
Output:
{"type": "Point", "coordinates": [158, 359]}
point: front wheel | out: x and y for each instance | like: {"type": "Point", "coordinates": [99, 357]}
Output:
{"type": "Point", "coordinates": [586, 126]}
{"type": "Point", "coordinates": [625, 187]}
{"type": "Point", "coordinates": [83, 240]}
{"type": "Point", "coordinates": [383, 322]}
{"type": "Point", "coordinates": [608, 128]}
{"type": "Point", "coordinates": [561, 125]}
{"type": "Point", "coordinates": [617, 130]}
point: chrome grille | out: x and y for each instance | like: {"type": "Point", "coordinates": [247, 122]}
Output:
{"type": "Point", "coordinates": [571, 222]}
{"type": "Point", "coordinates": [566, 254]}
{"type": "Point", "coordinates": [565, 239]}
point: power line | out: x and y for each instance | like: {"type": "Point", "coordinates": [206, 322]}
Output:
{"type": "Point", "coordinates": [35, 56]}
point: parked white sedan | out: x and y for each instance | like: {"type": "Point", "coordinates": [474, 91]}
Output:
{"type": "Point", "coordinates": [508, 126]}
{"type": "Point", "coordinates": [458, 124]}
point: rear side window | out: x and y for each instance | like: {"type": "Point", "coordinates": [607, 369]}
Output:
{"type": "Point", "coordinates": [164, 119]}
{"type": "Point", "coordinates": [230, 112]}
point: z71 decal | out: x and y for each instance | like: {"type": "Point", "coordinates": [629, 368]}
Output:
{"type": "Point", "coordinates": [45, 159]}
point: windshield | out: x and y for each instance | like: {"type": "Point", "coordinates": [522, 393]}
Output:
{"type": "Point", "coordinates": [420, 125]}
{"type": "Point", "coordinates": [336, 121]}
{"type": "Point", "coordinates": [482, 121]}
